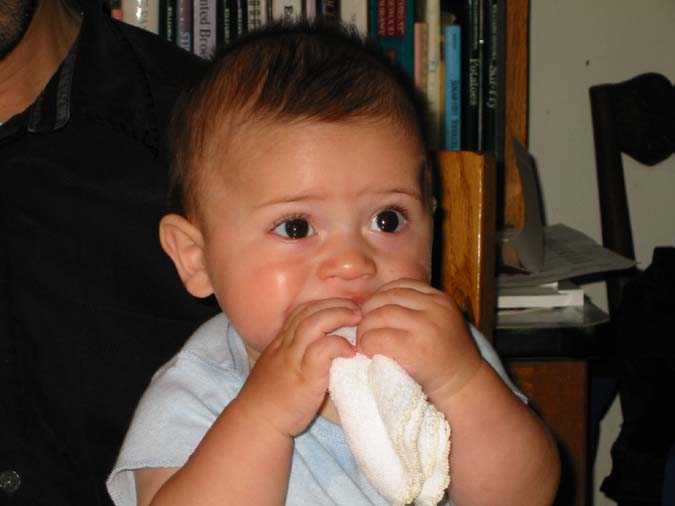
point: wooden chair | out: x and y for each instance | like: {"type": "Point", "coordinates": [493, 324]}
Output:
{"type": "Point", "coordinates": [635, 117]}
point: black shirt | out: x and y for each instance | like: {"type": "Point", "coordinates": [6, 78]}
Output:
{"type": "Point", "coordinates": [90, 306]}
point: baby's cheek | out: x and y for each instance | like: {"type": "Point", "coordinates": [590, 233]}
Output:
{"type": "Point", "coordinates": [274, 290]}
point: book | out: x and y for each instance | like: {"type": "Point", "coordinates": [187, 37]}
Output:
{"type": "Point", "coordinates": [556, 294]}
{"type": "Point", "coordinates": [234, 19]}
{"type": "Point", "coordinates": [184, 24]}
{"type": "Point", "coordinates": [204, 27]}
{"type": "Point", "coordinates": [493, 78]}
{"type": "Point", "coordinates": [420, 55]}
{"type": "Point", "coordinates": [400, 48]}
{"type": "Point", "coordinates": [310, 9]}
{"type": "Point", "coordinates": [499, 121]}
{"type": "Point", "coordinates": [471, 70]}
{"type": "Point", "coordinates": [355, 12]}
{"type": "Point", "coordinates": [431, 14]}
{"type": "Point", "coordinates": [167, 20]}
{"type": "Point", "coordinates": [256, 14]}
{"type": "Point", "coordinates": [452, 49]}
{"type": "Point", "coordinates": [287, 10]}
{"type": "Point", "coordinates": [390, 18]}
{"type": "Point", "coordinates": [141, 13]}
{"type": "Point", "coordinates": [328, 10]}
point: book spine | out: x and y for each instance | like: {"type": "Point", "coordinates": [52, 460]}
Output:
{"type": "Point", "coordinates": [184, 24]}
{"type": "Point", "coordinates": [420, 54]}
{"type": "Point", "coordinates": [400, 48]}
{"type": "Point", "coordinates": [204, 27]}
{"type": "Point", "coordinates": [287, 10]}
{"type": "Point", "coordinates": [355, 13]}
{"type": "Point", "coordinates": [142, 13]}
{"type": "Point", "coordinates": [220, 22]}
{"type": "Point", "coordinates": [471, 76]}
{"type": "Point", "coordinates": [167, 20]}
{"type": "Point", "coordinates": [242, 17]}
{"type": "Point", "coordinates": [256, 14]}
{"type": "Point", "coordinates": [399, 26]}
{"type": "Point", "coordinates": [434, 75]}
{"type": "Point", "coordinates": [328, 10]}
{"type": "Point", "coordinates": [453, 87]}
{"type": "Point", "coordinates": [500, 109]}
{"type": "Point", "coordinates": [378, 18]}
{"type": "Point", "coordinates": [489, 83]}
{"type": "Point", "coordinates": [229, 21]}
{"type": "Point", "coordinates": [310, 9]}
{"type": "Point", "coordinates": [390, 25]}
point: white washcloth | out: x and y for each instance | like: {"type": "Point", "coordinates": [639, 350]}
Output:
{"type": "Point", "coordinates": [400, 441]}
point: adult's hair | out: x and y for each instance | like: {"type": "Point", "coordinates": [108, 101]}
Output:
{"type": "Point", "coordinates": [286, 72]}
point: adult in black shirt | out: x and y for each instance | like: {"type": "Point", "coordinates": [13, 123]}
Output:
{"type": "Point", "coordinates": [90, 306]}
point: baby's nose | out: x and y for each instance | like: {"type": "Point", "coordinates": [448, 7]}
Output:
{"type": "Point", "coordinates": [347, 258]}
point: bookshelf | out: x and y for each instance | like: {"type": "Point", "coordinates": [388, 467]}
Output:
{"type": "Point", "coordinates": [517, 98]}
{"type": "Point", "coordinates": [495, 191]}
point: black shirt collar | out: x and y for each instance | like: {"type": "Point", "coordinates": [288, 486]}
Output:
{"type": "Point", "coordinates": [100, 57]}
{"type": "Point", "coordinates": [51, 110]}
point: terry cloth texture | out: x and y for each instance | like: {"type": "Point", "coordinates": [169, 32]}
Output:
{"type": "Point", "coordinates": [400, 441]}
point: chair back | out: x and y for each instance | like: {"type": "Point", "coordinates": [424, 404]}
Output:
{"type": "Point", "coordinates": [635, 117]}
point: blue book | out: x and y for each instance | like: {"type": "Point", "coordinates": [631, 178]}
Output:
{"type": "Point", "coordinates": [392, 24]}
{"type": "Point", "coordinates": [453, 86]}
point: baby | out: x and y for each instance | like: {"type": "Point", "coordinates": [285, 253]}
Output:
{"type": "Point", "coordinates": [302, 198]}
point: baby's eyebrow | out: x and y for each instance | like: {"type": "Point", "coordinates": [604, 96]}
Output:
{"type": "Point", "coordinates": [413, 193]}
{"type": "Point", "coordinates": [287, 199]}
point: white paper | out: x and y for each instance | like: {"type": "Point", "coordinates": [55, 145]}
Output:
{"type": "Point", "coordinates": [568, 253]}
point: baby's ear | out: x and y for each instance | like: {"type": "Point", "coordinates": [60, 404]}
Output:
{"type": "Point", "coordinates": [184, 243]}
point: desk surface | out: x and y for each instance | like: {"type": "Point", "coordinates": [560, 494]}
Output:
{"type": "Point", "coordinates": [574, 332]}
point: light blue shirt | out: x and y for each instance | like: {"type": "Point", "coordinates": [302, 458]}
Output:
{"type": "Point", "coordinates": [187, 395]}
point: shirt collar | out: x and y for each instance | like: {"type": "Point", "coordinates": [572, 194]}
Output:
{"type": "Point", "coordinates": [100, 56]}
{"type": "Point", "coordinates": [51, 110]}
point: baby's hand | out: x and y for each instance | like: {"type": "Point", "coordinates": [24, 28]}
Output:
{"type": "Point", "coordinates": [422, 329]}
{"type": "Point", "coordinates": [289, 381]}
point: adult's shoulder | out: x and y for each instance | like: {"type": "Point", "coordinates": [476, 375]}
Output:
{"type": "Point", "coordinates": [165, 64]}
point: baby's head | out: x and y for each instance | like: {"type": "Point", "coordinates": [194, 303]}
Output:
{"type": "Point", "coordinates": [299, 173]}
{"type": "Point", "coordinates": [285, 73]}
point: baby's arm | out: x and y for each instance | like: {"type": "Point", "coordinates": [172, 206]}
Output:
{"type": "Point", "coordinates": [501, 452]}
{"type": "Point", "coordinates": [251, 442]}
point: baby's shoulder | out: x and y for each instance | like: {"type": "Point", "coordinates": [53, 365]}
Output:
{"type": "Point", "coordinates": [214, 351]}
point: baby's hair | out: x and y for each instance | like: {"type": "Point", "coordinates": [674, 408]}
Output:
{"type": "Point", "coordinates": [286, 72]}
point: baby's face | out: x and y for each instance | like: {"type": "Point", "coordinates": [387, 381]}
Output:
{"type": "Point", "coordinates": [311, 211]}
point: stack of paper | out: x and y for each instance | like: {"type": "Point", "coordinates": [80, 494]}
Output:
{"type": "Point", "coordinates": [556, 294]}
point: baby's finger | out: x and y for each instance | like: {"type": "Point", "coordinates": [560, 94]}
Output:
{"type": "Point", "coordinates": [390, 316]}
{"type": "Point", "coordinates": [388, 341]}
{"type": "Point", "coordinates": [321, 353]}
{"type": "Point", "coordinates": [413, 284]}
{"type": "Point", "coordinates": [305, 311]}
{"type": "Point", "coordinates": [319, 324]}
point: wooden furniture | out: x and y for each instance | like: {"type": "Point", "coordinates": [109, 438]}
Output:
{"type": "Point", "coordinates": [476, 194]}
{"type": "Point", "coordinates": [469, 233]}
{"type": "Point", "coordinates": [636, 117]}
{"type": "Point", "coordinates": [550, 365]}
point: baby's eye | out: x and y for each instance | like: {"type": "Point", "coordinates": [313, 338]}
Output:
{"type": "Point", "coordinates": [294, 228]}
{"type": "Point", "coordinates": [389, 220]}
